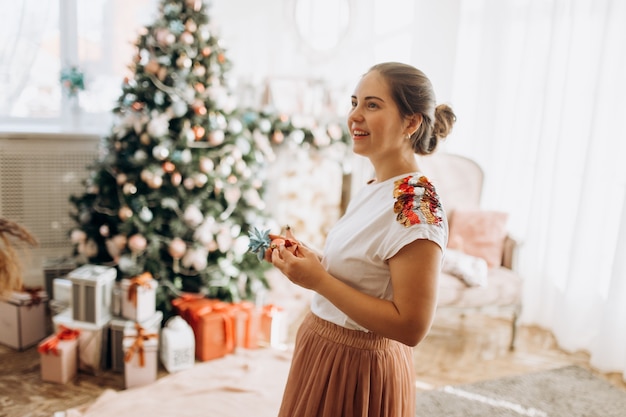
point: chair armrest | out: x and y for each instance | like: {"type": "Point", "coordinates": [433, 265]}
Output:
{"type": "Point", "coordinates": [509, 252]}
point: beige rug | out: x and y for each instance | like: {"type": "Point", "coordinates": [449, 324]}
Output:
{"type": "Point", "coordinates": [249, 382]}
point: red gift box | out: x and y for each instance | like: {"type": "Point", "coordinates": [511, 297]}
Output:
{"type": "Point", "coordinates": [213, 325]}
{"type": "Point", "coordinates": [59, 356]}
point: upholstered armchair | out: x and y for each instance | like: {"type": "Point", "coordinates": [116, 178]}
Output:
{"type": "Point", "coordinates": [478, 269]}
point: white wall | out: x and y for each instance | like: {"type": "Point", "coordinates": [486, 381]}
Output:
{"type": "Point", "coordinates": [262, 41]}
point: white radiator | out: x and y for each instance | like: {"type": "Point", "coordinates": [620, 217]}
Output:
{"type": "Point", "coordinates": [38, 173]}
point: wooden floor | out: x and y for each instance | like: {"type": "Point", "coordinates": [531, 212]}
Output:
{"type": "Point", "coordinates": [458, 350]}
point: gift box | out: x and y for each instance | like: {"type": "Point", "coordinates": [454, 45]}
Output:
{"type": "Point", "coordinates": [177, 350]}
{"type": "Point", "coordinates": [138, 297]}
{"type": "Point", "coordinates": [92, 342]}
{"type": "Point", "coordinates": [273, 326]}
{"type": "Point", "coordinates": [247, 324]}
{"type": "Point", "coordinates": [23, 318]}
{"type": "Point", "coordinates": [92, 290]}
{"type": "Point", "coordinates": [59, 356]}
{"type": "Point", "coordinates": [117, 329]}
{"type": "Point", "coordinates": [62, 290]}
{"type": "Point", "coordinates": [140, 356]}
{"type": "Point", "coordinates": [56, 268]}
{"type": "Point", "coordinates": [116, 300]}
{"type": "Point", "coordinates": [213, 325]}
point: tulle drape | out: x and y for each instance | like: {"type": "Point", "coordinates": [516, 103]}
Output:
{"type": "Point", "coordinates": [540, 95]}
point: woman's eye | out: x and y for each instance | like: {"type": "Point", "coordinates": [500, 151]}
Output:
{"type": "Point", "coordinates": [372, 105]}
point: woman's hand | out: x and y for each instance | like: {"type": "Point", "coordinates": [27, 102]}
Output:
{"type": "Point", "coordinates": [288, 240]}
{"type": "Point", "coordinates": [302, 266]}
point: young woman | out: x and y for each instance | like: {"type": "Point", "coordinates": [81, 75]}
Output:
{"type": "Point", "coordinates": [376, 282]}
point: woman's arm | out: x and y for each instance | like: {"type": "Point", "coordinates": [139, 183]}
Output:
{"type": "Point", "coordinates": [414, 275]}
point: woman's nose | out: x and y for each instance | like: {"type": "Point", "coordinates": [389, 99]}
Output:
{"type": "Point", "coordinates": [355, 114]}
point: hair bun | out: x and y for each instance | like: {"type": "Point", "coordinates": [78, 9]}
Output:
{"type": "Point", "coordinates": [444, 120]}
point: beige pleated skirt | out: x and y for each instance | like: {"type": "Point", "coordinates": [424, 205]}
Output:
{"type": "Point", "coordinates": [338, 372]}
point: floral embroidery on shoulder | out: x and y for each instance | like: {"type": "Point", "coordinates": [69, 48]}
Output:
{"type": "Point", "coordinates": [416, 201]}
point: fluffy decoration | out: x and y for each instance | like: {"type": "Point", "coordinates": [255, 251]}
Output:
{"type": "Point", "coordinates": [10, 267]}
{"type": "Point", "coordinates": [259, 242]}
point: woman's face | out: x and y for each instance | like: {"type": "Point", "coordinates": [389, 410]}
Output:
{"type": "Point", "coordinates": [377, 128]}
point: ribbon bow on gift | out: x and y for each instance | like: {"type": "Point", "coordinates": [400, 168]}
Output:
{"type": "Point", "coordinates": [35, 298]}
{"type": "Point", "coordinates": [142, 280]}
{"type": "Point", "coordinates": [138, 347]}
{"type": "Point", "coordinates": [51, 345]}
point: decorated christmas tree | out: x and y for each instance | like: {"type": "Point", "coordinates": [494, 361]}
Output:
{"type": "Point", "coordinates": [181, 179]}
{"type": "Point", "coordinates": [179, 183]}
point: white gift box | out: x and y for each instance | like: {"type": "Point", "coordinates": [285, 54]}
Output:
{"type": "Point", "coordinates": [118, 326]}
{"type": "Point", "coordinates": [140, 365]}
{"type": "Point", "coordinates": [92, 342]}
{"type": "Point", "coordinates": [178, 345]}
{"type": "Point", "coordinates": [273, 331]}
{"type": "Point", "coordinates": [92, 291]}
{"type": "Point", "coordinates": [138, 299]}
{"type": "Point", "coordinates": [62, 290]}
{"type": "Point", "coordinates": [56, 268]}
{"type": "Point", "coordinates": [23, 319]}
{"type": "Point", "coordinates": [60, 365]}
{"type": "Point", "coordinates": [62, 300]}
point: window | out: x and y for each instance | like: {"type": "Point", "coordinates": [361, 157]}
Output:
{"type": "Point", "coordinates": [43, 37]}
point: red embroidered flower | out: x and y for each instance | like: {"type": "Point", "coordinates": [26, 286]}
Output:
{"type": "Point", "coordinates": [416, 201]}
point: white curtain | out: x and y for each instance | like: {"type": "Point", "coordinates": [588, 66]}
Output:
{"type": "Point", "coordinates": [23, 24]}
{"type": "Point", "coordinates": [540, 93]}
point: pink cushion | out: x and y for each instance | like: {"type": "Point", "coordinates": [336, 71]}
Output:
{"type": "Point", "coordinates": [479, 233]}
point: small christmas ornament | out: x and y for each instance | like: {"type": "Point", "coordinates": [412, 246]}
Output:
{"type": "Point", "coordinates": [129, 188]}
{"type": "Point", "coordinates": [193, 216]}
{"type": "Point", "coordinates": [168, 167]}
{"type": "Point", "coordinates": [125, 213]}
{"type": "Point", "coordinates": [104, 230]}
{"type": "Point", "coordinates": [262, 243]}
{"type": "Point", "coordinates": [177, 249]}
{"type": "Point", "coordinates": [199, 70]}
{"type": "Point", "coordinates": [198, 132]}
{"type": "Point", "coordinates": [78, 236]}
{"type": "Point", "coordinates": [186, 38]}
{"type": "Point", "coordinates": [206, 165]}
{"type": "Point", "coordinates": [176, 178]}
{"type": "Point", "coordinates": [216, 137]}
{"type": "Point", "coordinates": [259, 242]}
{"type": "Point", "coordinates": [190, 25]}
{"type": "Point", "coordinates": [146, 215]}
{"type": "Point", "coordinates": [137, 243]}
{"type": "Point", "coordinates": [200, 179]}
{"type": "Point", "coordinates": [160, 152]}
{"type": "Point", "coordinates": [152, 67]}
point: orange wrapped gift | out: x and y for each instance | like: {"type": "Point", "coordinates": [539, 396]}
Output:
{"type": "Point", "coordinates": [59, 356]}
{"type": "Point", "coordinates": [247, 322]}
{"type": "Point", "coordinates": [213, 326]}
{"type": "Point", "coordinates": [273, 329]}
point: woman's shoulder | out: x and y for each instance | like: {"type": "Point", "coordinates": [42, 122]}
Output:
{"type": "Point", "coordinates": [416, 201]}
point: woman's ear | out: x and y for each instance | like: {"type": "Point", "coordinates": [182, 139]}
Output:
{"type": "Point", "coordinates": [414, 123]}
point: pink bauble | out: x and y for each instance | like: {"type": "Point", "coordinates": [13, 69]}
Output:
{"type": "Point", "coordinates": [177, 248]}
{"type": "Point", "coordinates": [137, 243]}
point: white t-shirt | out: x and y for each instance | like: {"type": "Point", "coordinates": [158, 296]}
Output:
{"type": "Point", "coordinates": [372, 231]}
